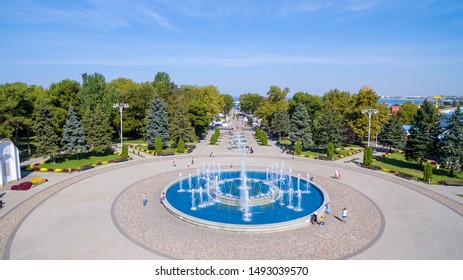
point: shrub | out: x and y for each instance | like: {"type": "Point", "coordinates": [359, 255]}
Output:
{"type": "Point", "coordinates": [264, 138]}
{"type": "Point", "coordinates": [125, 151]}
{"type": "Point", "coordinates": [368, 155]}
{"type": "Point", "coordinates": [158, 145]}
{"type": "Point", "coordinates": [427, 172]}
{"type": "Point", "coordinates": [181, 146]}
{"type": "Point", "coordinates": [298, 148]}
{"type": "Point", "coordinates": [330, 150]}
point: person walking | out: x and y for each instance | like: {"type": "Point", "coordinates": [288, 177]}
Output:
{"type": "Point", "coordinates": [192, 161]}
{"type": "Point", "coordinates": [174, 162]}
{"type": "Point", "coordinates": [344, 214]}
{"type": "Point", "coordinates": [328, 207]}
{"type": "Point", "coordinates": [336, 174]}
{"type": "Point", "coordinates": [144, 199]}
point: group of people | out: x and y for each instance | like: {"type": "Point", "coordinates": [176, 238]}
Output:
{"type": "Point", "coordinates": [314, 219]}
{"type": "Point", "coordinates": [145, 198]}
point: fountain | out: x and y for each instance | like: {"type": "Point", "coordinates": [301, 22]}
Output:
{"type": "Point", "coordinates": [269, 199]}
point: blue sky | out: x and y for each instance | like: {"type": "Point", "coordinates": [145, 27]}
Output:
{"type": "Point", "coordinates": [398, 47]}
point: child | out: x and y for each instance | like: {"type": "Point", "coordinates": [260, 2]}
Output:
{"type": "Point", "coordinates": [321, 222]}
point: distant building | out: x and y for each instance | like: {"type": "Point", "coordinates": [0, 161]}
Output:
{"type": "Point", "coordinates": [9, 162]}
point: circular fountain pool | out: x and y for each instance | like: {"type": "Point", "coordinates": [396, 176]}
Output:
{"type": "Point", "coordinates": [244, 200]}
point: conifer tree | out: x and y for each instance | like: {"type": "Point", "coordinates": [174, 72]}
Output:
{"type": "Point", "coordinates": [180, 126]}
{"type": "Point", "coordinates": [392, 134]}
{"type": "Point", "coordinates": [451, 146]}
{"type": "Point", "coordinates": [97, 130]}
{"type": "Point", "coordinates": [45, 127]}
{"type": "Point", "coordinates": [330, 128]}
{"type": "Point", "coordinates": [281, 124]}
{"type": "Point", "coordinates": [301, 127]}
{"type": "Point", "coordinates": [158, 122]}
{"type": "Point", "coordinates": [73, 140]}
{"type": "Point", "coordinates": [423, 139]}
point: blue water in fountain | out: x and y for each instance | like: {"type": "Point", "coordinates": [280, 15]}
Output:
{"type": "Point", "coordinates": [259, 185]}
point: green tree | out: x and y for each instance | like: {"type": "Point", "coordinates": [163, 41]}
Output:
{"type": "Point", "coordinates": [329, 128]}
{"type": "Point", "coordinates": [368, 155]}
{"type": "Point", "coordinates": [125, 151]}
{"type": "Point", "coordinates": [45, 129]}
{"type": "Point", "coordinates": [358, 121]}
{"type": "Point", "coordinates": [406, 112]}
{"type": "Point", "coordinates": [339, 101]}
{"type": "Point", "coordinates": [330, 150]}
{"type": "Point", "coordinates": [301, 127]}
{"type": "Point", "coordinates": [298, 148]}
{"type": "Point", "coordinates": [451, 145]}
{"type": "Point", "coordinates": [422, 141]}
{"type": "Point", "coordinates": [63, 94]}
{"type": "Point", "coordinates": [427, 172]}
{"type": "Point", "coordinates": [97, 130]}
{"type": "Point", "coordinates": [275, 101]}
{"type": "Point", "coordinates": [73, 139]}
{"type": "Point", "coordinates": [249, 102]}
{"type": "Point", "coordinates": [180, 146]}
{"type": "Point", "coordinates": [281, 124]}
{"type": "Point", "coordinates": [158, 145]}
{"type": "Point", "coordinates": [198, 113]}
{"type": "Point", "coordinates": [312, 103]}
{"type": "Point", "coordinates": [392, 134]}
{"type": "Point", "coordinates": [158, 122]}
{"type": "Point", "coordinates": [229, 103]}
{"type": "Point", "coordinates": [180, 126]}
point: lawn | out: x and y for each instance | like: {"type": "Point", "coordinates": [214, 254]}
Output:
{"type": "Point", "coordinates": [74, 163]}
{"type": "Point", "coordinates": [397, 162]}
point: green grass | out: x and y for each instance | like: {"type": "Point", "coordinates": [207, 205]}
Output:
{"type": "Point", "coordinates": [164, 150]}
{"type": "Point", "coordinates": [74, 163]}
{"type": "Point", "coordinates": [460, 195]}
{"type": "Point", "coordinates": [397, 162]}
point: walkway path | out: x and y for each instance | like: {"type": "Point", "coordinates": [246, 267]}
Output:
{"type": "Point", "coordinates": [97, 214]}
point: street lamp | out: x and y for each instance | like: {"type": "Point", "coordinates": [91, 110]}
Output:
{"type": "Point", "coordinates": [369, 112]}
{"type": "Point", "coordinates": [121, 106]}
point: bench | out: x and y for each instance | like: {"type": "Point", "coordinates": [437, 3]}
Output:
{"type": "Point", "coordinates": [86, 167]}
{"type": "Point", "coordinates": [451, 183]}
{"type": "Point", "coordinates": [369, 166]}
{"type": "Point", "coordinates": [120, 159]}
{"type": "Point", "coordinates": [404, 175]}
{"type": "Point", "coordinates": [323, 158]}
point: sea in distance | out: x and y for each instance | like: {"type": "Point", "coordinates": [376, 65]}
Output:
{"type": "Point", "coordinates": [391, 102]}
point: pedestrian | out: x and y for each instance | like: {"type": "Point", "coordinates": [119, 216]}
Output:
{"type": "Point", "coordinates": [314, 218]}
{"type": "Point", "coordinates": [145, 199]}
{"type": "Point", "coordinates": [321, 222]}
{"type": "Point", "coordinates": [174, 163]}
{"type": "Point", "coordinates": [328, 207]}
{"type": "Point", "coordinates": [339, 174]}
{"type": "Point", "coordinates": [192, 161]}
{"type": "Point", "coordinates": [188, 165]}
{"type": "Point", "coordinates": [344, 214]}
{"type": "Point", "coordinates": [161, 199]}
{"type": "Point", "coordinates": [336, 174]}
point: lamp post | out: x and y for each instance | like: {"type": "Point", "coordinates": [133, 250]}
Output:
{"type": "Point", "coordinates": [121, 106]}
{"type": "Point", "coordinates": [369, 112]}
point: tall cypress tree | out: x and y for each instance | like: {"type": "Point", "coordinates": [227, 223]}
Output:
{"type": "Point", "coordinates": [330, 128]}
{"type": "Point", "coordinates": [423, 139]}
{"type": "Point", "coordinates": [451, 146]}
{"type": "Point", "coordinates": [301, 127]}
{"type": "Point", "coordinates": [45, 128]}
{"type": "Point", "coordinates": [73, 140]}
{"type": "Point", "coordinates": [97, 130]}
{"type": "Point", "coordinates": [392, 134]}
{"type": "Point", "coordinates": [158, 122]}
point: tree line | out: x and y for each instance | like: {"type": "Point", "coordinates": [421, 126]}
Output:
{"type": "Point", "coordinates": [73, 117]}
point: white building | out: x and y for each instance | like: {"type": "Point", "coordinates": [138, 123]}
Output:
{"type": "Point", "coordinates": [9, 162]}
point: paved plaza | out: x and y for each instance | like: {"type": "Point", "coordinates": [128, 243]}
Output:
{"type": "Point", "coordinates": [98, 214]}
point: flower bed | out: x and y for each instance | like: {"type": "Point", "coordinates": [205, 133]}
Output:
{"type": "Point", "coordinates": [24, 186]}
